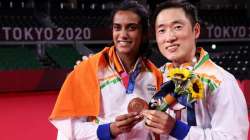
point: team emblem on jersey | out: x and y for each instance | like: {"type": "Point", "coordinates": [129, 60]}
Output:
{"type": "Point", "coordinates": [151, 87]}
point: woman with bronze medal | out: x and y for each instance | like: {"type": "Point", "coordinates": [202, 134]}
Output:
{"type": "Point", "coordinates": [94, 98]}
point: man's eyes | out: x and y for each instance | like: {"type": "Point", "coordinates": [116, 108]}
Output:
{"type": "Point", "coordinates": [178, 27]}
{"type": "Point", "coordinates": [161, 30]}
{"type": "Point", "coordinates": [173, 29]}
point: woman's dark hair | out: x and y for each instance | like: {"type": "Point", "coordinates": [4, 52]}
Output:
{"type": "Point", "coordinates": [189, 9]}
{"type": "Point", "coordinates": [141, 11]}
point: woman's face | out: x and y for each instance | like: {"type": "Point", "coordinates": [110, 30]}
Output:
{"type": "Point", "coordinates": [127, 32]}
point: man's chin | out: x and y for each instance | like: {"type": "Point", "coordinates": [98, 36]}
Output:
{"type": "Point", "coordinates": [172, 59]}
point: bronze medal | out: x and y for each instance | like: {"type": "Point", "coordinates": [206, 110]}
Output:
{"type": "Point", "coordinates": [137, 105]}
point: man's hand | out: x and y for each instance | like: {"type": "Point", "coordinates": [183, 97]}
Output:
{"type": "Point", "coordinates": [158, 122]}
{"type": "Point", "coordinates": [83, 59]}
{"type": "Point", "coordinates": [124, 123]}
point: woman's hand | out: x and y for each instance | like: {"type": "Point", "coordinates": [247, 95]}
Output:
{"type": "Point", "coordinates": [124, 123]}
{"type": "Point", "coordinates": [158, 122]}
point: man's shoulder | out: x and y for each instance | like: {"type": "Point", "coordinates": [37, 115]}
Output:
{"type": "Point", "coordinates": [163, 68]}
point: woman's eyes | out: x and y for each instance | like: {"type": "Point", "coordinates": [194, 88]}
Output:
{"type": "Point", "coordinates": [129, 28]}
{"type": "Point", "coordinates": [116, 28]}
{"type": "Point", "coordinates": [132, 27]}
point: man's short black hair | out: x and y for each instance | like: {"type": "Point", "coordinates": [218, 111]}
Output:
{"type": "Point", "coordinates": [189, 9]}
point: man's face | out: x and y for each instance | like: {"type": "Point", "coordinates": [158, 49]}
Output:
{"type": "Point", "coordinates": [175, 36]}
{"type": "Point", "coordinates": [127, 33]}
